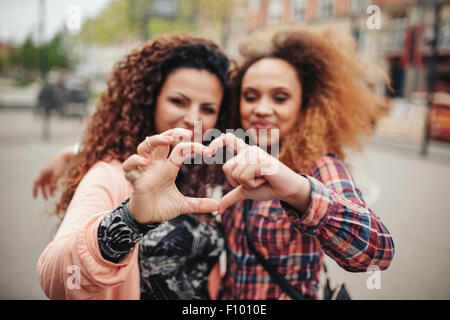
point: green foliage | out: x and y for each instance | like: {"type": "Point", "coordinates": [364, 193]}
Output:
{"type": "Point", "coordinates": [58, 52]}
{"type": "Point", "coordinates": [159, 26]}
{"type": "Point", "coordinates": [113, 24]}
{"type": "Point", "coordinates": [120, 20]}
{"type": "Point", "coordinates": [132, 19]}
{"type": "Point", "coordinates": [27, 55]}
{"type": "Point", "coordinates": [32, 57]}
{"type": "Point", "coordinates": [3, 62]}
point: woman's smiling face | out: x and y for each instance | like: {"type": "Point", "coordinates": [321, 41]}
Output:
{"type": "Point", "coordinates": [188, 95]}
{"type": "Point", "coordinates": [271, 96]}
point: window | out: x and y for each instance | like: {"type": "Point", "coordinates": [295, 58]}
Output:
{"type": "Point", "coordinates": [444, 35]}
{"type": "Point", "coordinates": [398, 27]}
{"type": "Point", "coordinates": [298, 10]}
{"type": "Point", "coordinates": [254, 6]}
{"type": "Point", "coordinates": [274, 12]}
{"type": "Point", "coordinates": [360, 6]}
{"type": "Point", "coordinates": [326, 8]}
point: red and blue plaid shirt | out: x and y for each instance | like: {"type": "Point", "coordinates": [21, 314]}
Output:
{"type": "Point", "coordinates": [337, 222]}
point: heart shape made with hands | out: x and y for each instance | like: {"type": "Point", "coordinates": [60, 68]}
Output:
{"type": "Point", "coordinates": [155, 168]}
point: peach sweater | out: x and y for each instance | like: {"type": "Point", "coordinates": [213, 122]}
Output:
{"type": "Point", "coordinates": [71, 266]}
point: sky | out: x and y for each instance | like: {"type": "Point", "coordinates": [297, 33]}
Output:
{"type": "Point", "coordinates": [19, 18]}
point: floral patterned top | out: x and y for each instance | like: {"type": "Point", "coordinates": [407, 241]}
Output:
{"type": "Point", "coordinates": [175, 257]}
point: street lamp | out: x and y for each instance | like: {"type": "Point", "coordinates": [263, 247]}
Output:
{"type": "Point", "coordinates": [43, 68]}
{"type": "Point", "coordinates": [431, 74]}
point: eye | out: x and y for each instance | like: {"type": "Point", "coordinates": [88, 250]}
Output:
{"type": "Point", "coordinates": [250, 97]}
{"type": "Point", "coordinates": [177, 101]}
{"type": "Point", "coordinates": [208, 110]}
{"type": "Point", "coordinates": [280, 97]}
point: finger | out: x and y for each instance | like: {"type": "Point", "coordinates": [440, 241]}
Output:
{"type": "Point", "coordinates": [37, 183]}
{"type": "Point", "coordinates": [49, 191]}
{"type": "Point", "coordinates": [250, 178]}
{"type": "Point", "coordinates": [185, 150]}
{"type": "Point", "coordinates": [230, 140]}
{"type": "Point", "coordinates": [179, 134]}
{"type": "Point", "coordinates": [44, 193]}
{"type": "Point", "coordinates": [133, 162]}
{"type": "Point", "coordinates": [53, 185]}
{"type": "Point", "coordinates": [200, 205]}
{"type": "Point", "coordinates": [228, 168]}
{"type": "Point", "coordinates": [236, 174]}
{"type": "Point", "coordinates": [231, 198]}
{"type": "Point", "coordinates": [169, 137]}
{"type": "Point", "coordinates": [35, 188]}
{"type": "Point", "coordinates": [146, 147]}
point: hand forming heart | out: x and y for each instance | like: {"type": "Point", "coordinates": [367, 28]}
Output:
{"type": "Point", "coordinates": [155, 197]}
{"type": "Point", "coordinates": [257, 175]}
{"type": "Point", "coordinates": [253, 172]}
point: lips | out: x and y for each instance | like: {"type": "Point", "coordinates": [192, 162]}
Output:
{"type": "Point", "coordinates": [263, 125]}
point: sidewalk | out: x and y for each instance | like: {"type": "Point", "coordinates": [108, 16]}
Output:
{"type": "Point", "coordinates": [17, 97]}
{"type": "Point", "coordinates": [411, 196]}
{"type": "Point", "coordinates": [26, 228]}
{"type": "Point", "coordinates": [437, 150]}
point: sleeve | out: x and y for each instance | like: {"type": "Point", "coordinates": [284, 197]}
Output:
{"type": "Point", "coordinates": [72, 266]}
{"type": "Point", "coordinates": [348, 231]}
{"type": "Point", "coordinates": [119, 232]}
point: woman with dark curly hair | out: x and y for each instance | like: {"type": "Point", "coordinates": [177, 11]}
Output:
{"type": "Point", "coordinates": [154, 97]}
{"type": "Point", "coordinates": [312, 92]}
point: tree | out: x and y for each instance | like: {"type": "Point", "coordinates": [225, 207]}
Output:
{"type": "Point", "coordinates": [32, 58]}
{"type": "Point", "coordinates": [136, 19]}
{"type": "Point", "coordinates": [58, 53]}
{"type": "Point", "coordinates": [27, 55]}
{"type": "Point", "coordinates": [113, 24]}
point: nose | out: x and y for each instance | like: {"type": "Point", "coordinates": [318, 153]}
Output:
{"type": "Point", "coordinates": [192, 116]}
{"type": "Point", "coordinates": [264, 108]}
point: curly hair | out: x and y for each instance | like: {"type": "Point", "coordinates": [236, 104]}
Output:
{"type": "Point", "coordinates": [338, 104]}
{"type": "Point", "coordinates": [125, 112]}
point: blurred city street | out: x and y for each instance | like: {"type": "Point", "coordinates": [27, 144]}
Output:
{"type": "Point", "coordinates": [26, 228]}
{"type": "Point", "coordinates": [56, 58]}
{"type": "Point", "coordinates": [408, 192]}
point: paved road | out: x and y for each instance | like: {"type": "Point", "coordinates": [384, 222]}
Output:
{"type": "Point", "coordinates": [409, 193]}
{"type": "Point", "coordinates": [414, 204]}
{"type": "Point", "coordinates": [26, 228]}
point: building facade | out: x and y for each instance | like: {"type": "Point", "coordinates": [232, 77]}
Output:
{"type": "Point", "coordinates": [394, 34]}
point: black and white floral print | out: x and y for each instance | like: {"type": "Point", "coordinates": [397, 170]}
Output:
{"type": "Point", "coordinates": [176, 258]}
{"type": "Point", "coordinates": [119, 232]}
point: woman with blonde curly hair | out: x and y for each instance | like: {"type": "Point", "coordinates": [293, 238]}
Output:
{"type": "Point", "coordinates": [154, 97]}
{"type": "Point", "coordinates": [312, 93]}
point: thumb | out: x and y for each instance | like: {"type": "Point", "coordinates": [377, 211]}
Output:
{"type": "Point", "coordinates": [231, 198]}
{"type": "Point", "coordinates": [200, 205]}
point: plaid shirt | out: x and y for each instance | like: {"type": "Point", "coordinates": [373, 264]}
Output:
{"type": "Point", "coordinates": [337, 222]}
